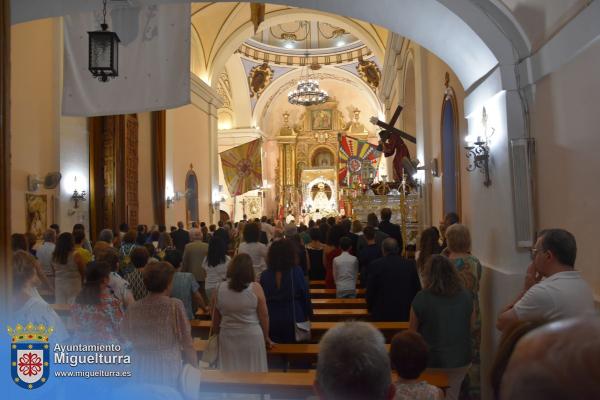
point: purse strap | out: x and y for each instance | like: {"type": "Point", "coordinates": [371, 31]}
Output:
{"type": "Point", "coordinates": [293, 295]}
{"type": "Point", "coordinates": [212, 312]}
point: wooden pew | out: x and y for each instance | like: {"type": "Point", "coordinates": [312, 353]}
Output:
{"type": "Point", "coordinates": [316, 284]}
{"type": "Point", "coordinates": [338, 303]}
{"type": "Point", "coordinates": [389, 329]}
{"type": "Point", "coordinates": [330, 293]}
{"type": "Point", "coordinates": [285, 385]}
{"type": "Point", "coordinates": [339, 314]}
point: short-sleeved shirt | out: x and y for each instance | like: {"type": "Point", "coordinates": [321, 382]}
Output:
{"type": "Point", "coordinates": [562, 295]}
{"type": "Point", "coordinates": [445, 323]}
{"type": "Point", "coordinates": [184, 285]}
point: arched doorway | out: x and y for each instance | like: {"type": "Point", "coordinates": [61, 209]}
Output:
{"type": "Point", "coordinates": [450, 153]}
{"type": "Point", "coordinates": [191, 197]}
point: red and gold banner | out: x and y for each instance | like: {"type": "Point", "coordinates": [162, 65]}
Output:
{"type": "Point", "coordinates": [242, 167]}
{"type": "Point", "coordinates": [352, 154]}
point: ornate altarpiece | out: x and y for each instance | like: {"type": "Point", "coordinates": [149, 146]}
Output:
{"type": "Point", "coordinates": [311, 144]}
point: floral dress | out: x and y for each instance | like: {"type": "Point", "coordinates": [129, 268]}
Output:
{"type": "Point", "coordinates": [469, 269]}
{"type": "Point", "coordinates": [97, 323]}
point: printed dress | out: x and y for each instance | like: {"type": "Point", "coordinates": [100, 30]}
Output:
{"type": "Point", "coordinates": [469, 269]}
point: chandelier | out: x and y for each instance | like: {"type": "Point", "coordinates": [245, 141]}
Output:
{"type": "Point", "coordinates": [308, 92]}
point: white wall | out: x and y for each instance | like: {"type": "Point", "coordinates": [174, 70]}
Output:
{"type": "Point", "coordinates": [191, 133]}
{"type": "Point", "coordinates": [566, 121]}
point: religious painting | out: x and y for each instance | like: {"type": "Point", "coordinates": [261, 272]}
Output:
{"type": "Point", "coordinates": [259, 78]}
{"type": "Point", "coordinates": [36, 206]}
{"type": "Point", "coordinates": [369, 73]}
{"type": "Point", "coordinates": [322, 158]}
{"type": "Point", "coordinates": [321, 120]}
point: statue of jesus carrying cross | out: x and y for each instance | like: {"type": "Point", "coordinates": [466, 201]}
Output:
{"type": "Point", "coordinates": [391, 142]}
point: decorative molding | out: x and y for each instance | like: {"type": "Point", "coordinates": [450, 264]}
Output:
{"type": "Point", "coordinates": [257, 53]}
{"type": "Point", "coordinates": [224, 90]}
{"type": "Point", "coordinates": [204, 92]}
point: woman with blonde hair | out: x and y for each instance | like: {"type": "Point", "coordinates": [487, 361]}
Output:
{"type": "Point", "coordinates": [458, 239]}
{"type": "Point", "coordinates": [241, 319]}
{"type": "Point", "coordinates": [442, 313]}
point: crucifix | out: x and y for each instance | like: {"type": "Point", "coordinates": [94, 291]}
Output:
{"type": "Point", "coordinates": [391, 142]}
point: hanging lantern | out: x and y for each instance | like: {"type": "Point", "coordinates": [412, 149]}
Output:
{"type": "Point", "coordinates": [104, 52]}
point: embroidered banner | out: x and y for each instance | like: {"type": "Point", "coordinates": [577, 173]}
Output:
{"type": "Point", "coordinates": [242, 167]}
{"type": "Point", "coordinates": [353, 154]}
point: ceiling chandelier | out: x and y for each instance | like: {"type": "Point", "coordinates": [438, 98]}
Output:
{"type": "Point", "coordinates": [308, 92]}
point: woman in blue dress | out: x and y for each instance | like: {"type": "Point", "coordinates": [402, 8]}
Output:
{"type": "Point", "coordinates": [286, 292]}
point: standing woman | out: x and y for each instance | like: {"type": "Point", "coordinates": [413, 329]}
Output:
{"type": "Point", "coordinates": [215, 264]}
{"type": "Point", "coordinates": [241, 319]}
{"type": "Point", "coordinates": [458, 239]}
{"type": "Point", "coordinates": [442, 313]}
{"type": "Point", "coordinates": [96, 315]}
{"type": "Point", "coordinates": [429, 244]}
{"type": "Point", "coordinates": [332, 250]}
{"type": "Point", "coordinates": [285, 287]}
{"type": "Point", "coordinates": [69, 269]}
{"type": "Point", "coordinates": [314, 251]}
{"type": "Point", "coordinates": [159, 330]}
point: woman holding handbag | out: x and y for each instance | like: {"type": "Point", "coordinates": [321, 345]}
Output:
{"type": "Point", "coordinates": [287, 295]}
{"type": "Point", "coordinates": [159, 330]}
{"type": "Point", "coordinates": [241, 319]}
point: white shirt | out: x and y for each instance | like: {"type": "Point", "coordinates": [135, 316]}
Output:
{"type": "Point", "coordinates": [562, 295]}
{"type": "Point", "coordinates": [345, 271]}
{"type": "Point", "coordinates": [216, 274]}
{"type": "Point", "coordinates": [289, 219]}
{"type": "Point", "coordinates": [258, 252]}
{"type": "Point", "coordinates": [119, 286]}
{"type": "Point", "coordinates": [268, 229]}
{"type": "Point", "coordinates": [44, 255]}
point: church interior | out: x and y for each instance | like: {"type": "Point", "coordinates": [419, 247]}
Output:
{"type": "Point", "coordinates": [497, 103]}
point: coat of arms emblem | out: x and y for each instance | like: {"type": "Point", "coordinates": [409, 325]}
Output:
{"type": "Point", "coordinates": [30, 355]}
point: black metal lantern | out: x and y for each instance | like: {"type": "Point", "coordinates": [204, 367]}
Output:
{"type": "Point", "coordinates": [104, 52]}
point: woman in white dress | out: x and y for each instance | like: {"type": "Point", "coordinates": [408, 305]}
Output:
{"type": "Point", "coordinates": [256, 250]}
{"type": "Point", "coordinates": [241, 319]}
{"type": "Point", "coordinates": [215, 264]}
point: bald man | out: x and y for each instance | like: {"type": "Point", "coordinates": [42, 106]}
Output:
{"type": "Point", "coordinates": [560, 360]}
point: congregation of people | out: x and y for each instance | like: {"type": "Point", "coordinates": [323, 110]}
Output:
{"type": "Point", "coordinates": [142, 287]}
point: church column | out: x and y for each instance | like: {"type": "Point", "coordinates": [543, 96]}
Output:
{"type": "Point", "coordinates": [5, 275]}
{"type": "Point", "coordinates": [206, 158]}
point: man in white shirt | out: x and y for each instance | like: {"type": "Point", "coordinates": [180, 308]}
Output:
{"type": "Point", "coordinates": [345, 271]}
{"type": "Point", "coordinates": [562, 293]}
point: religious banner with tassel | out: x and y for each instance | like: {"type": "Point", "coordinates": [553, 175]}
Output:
{"type": "Point", "coordinates": [242, 167]}
{"type": "Point", "coordinates": [352, 155]}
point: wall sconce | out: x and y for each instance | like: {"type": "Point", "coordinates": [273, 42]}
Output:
{"type": "Point", "coordinates": [478, 151]}
{"type": "Point", "coordinates": [77, 196]}
{"type": "Point", "coordinates": [171, 199]}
